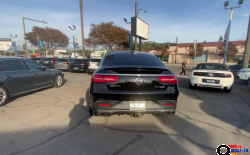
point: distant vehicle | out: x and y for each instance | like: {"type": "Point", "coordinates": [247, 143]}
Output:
{"type": "Point", "coordinates": [235, 69]}
{"type": "Point", "coordinates": [240, 61]}
{"type": "Point", "coordinates": [212, 75]}
{"type": "Point", "coordinates": [20, 76]}
{"type": "Point", "coordinates": [244, 75]}
{"type": "Point", "coordinates": [133, 83]}
{"type": "Point", "coordinates": [62, 64]}
{"type": "Point", "coordinates": [38, 60]}
{"type": "Point", "coordinates": [77, 65]}
{"type": "Point", "coordinates": [49, 62]}
{"type": "Point", "coordinates": [93, 65]}
{"type": "Point", "coordinates": [33, 55]}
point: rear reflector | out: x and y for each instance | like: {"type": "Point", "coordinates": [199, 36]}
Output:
{"type": "Point", "coordinates": [103, 104]}
{"type": "Point", "coordinates": [168, 104]}
{"type": "Point", "coordinates": [167, 79]}
{"type": "Point", "coordinates": [100, 78]}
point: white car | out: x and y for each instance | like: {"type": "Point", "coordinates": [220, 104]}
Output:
{"type": "Point", "coordinates": [93, 65]}
{"type": "Point", "coordinates": [244, 75]}
{"type": "Point", "coordinates": [212, 75]}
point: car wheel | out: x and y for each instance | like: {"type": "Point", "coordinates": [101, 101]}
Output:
{"type": "Point", "coordinates": [190, 86]}
{"type": "Point", "coordinates": [58, 81]}
{"type": "Point", "coordinates": [228, 90]}
{"type": "Point", "coordinates": [90, 111]}
{"type": "Point", "coordinates": [3, 96]}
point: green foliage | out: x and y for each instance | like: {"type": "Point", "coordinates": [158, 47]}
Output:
{"type": "Point", "coordinates": [231, 49]}
{"type": "Point", "coordinates": [199, 50]}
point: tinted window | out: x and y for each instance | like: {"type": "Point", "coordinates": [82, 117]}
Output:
{"type": "Point", "coordinates": [11, 65]}
{"type": "Point", "coordinates": [128, 59]}
{"type": "Point", "coordinates": [77, 60]}
{"type": "Point", "coordinates": [47, 59]}
{"type": "Point", "coordinates": [62, 60]}
{"type": "Point", "coordinates": [95, 60]}
{"type": "Point", "coordinates": [212, 66]}
{"type": "Point", "coordinates": [237, 67]}
{"type": "Point", "coordinates": [33, 65]}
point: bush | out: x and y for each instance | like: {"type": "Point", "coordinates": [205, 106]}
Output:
{"type": "Point", "coordinates": [229, 59]}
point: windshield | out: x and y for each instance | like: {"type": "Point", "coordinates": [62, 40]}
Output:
{"type": "Point", "coordinates": [127, 59]}
{"type": "Point", "coordinates": [212, 67]}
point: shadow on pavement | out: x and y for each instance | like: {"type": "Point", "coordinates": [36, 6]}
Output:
{"type": "Point", "coordinates": [232, 108]}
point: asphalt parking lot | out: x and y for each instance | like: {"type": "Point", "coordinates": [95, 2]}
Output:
{"type": "Point", "coordinates": [56, 121]}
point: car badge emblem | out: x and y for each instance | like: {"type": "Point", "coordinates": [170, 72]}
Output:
{"type": "Point", "coordinates": [210, 74]}
{"type": "Point", "coordinates": [138, 81]}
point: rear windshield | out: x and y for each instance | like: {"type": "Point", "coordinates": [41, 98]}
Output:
{"type": "Point", "coordinates": [77, 60]}
{"type": "Point", "coordinates": [127, 59]}
{"type": "Point", "coordinates": [35, 58]}
{"type": "Point", "coordinates": [62, 60]}
{"type": "Point", "coordinates": [212, 66]}
{"type": "Point", "coordinates": [47, 59]}
{"type": "Point", "coordinates": [95, 60]}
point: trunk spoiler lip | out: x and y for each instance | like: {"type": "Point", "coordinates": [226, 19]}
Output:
{"type": "Point", "coordinates": [135, 67]}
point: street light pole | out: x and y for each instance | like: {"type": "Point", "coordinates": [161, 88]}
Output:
{"type": "Point", "coordinates": [73, 29]}
{"type": "Point", "coordinates": [24, 32]}
{"type": "Point", "coordinates": [229, 27]}
{"type": "Point", "coordinates": [15, 43]}
{"type": "Point", "coordinates": [176, 48]}
{"type": "Point", "coordinates": [135, 18]}
{"type": "Point", "coordinates": [82, 29]}
{"type": "Point", "coordinates": [129, 32]}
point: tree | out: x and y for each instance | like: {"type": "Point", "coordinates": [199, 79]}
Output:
{"type": "Point", "coordinates": [231, 49]}
{"type": "Point", "coordinates": [199, 50]}
{"type": "Point", "coordinates": [221, 38]}
{"type": "Point", "coordinates": [107, 35]}
{"type": "Point", "coordinates": [87, 53]}
{"type": "Point", "coordinates": [53, 38]}
{"type": "Point", "coordinates": [161, 50]}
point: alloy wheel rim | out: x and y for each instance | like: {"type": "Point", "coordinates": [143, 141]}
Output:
{"type": "Point", "coordinates": [2, 95]}
{"type": "Point", "coordinates": [59, 80]}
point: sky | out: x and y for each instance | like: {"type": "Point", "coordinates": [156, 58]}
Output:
{"type": "Point", "coordinates": [189, 20]}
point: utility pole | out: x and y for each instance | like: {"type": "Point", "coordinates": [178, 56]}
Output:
{"type": "Point", "coordinates": [82, 29]}
{"type": "Point", "coordinates": [176, 48]}
{"type": "Point", "coordinates": [229, 26]}
{"type": "Point", "coordinates": [247, 47]}
{"type": "Point", "coordinates": [24, 32]}
{"type": "Point", "coordinates": [195, 46]}
{"type": "Point", "coordinates": [15, 36]}
{"type": "Point", "coordinates": [135, 19]}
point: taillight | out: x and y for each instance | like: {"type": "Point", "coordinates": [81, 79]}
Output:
{"type": "Point", "coordinates": [226, 75]}
{"type": "Point", "coordinates": [167, 79]}
{"type": "Point", "coordinates": [168, 104]}
{"type": "Point", "coordinates": [66, 63]}
{"type": "Point", "coordinates": [52, 60]}
{"type": "Point", "coordinates": [89, 64]}
{"type": "Point", "coordinates": [103, 104]}
{"type": "Point", "coordinates": [103, 78]}
{"type": "Point", "coordinates": [197, 73]}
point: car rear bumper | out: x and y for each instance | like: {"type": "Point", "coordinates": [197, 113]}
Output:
{"type": "Point", "coordinates": [77, 68]}
{"type": "Point", "coordinates": [123, 107]}
{"type": "Point", "coordinates": [224, 82]}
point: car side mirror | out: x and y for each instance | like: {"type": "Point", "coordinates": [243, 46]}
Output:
{"type": "Point", "coordinates": [43, 68]}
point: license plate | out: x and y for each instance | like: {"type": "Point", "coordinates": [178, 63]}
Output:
{"type": "Point", "coordinates": [46, 62]}
{"type": "Point", "coordinates": [137, 106]}
{"type": "Point", "coordinates": [211, 81]}
{"type": "Point", "coordinates": [76, 68]}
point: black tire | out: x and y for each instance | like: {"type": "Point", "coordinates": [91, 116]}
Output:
{"type": "Point", "coordinates": [90, 111]}
{"type": "Point", "coordinates": [228, 90]}
{"type": "Point", "coordinates": [4, 95]}
{"type": "Point", "coordinates": [59, 83]}
{"type": "Point", "coordinates": [190, 86]}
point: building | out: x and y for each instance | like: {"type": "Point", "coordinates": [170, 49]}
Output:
{"type": "Point", "coordinates": [209, 54]}
{"type": "Point", "coordinates": [97, 54]}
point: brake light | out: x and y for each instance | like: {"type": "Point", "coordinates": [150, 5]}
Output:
{"type": "Point", "coordinates": [103, 78]}
{"type": "Point", "coordinates": [52, 60]}
{"type": "Point", "coordinates": [103, 104]}
{"type": "Point", "coordinates": [168, 104]}
{"type": "Point", "coordinates": [197, 73]}
{"type": "Point", "coordinates": [89, 64]}
{"type": "Point", "coordinates": [66, 63]}
{"type": "Point", "coordinates": [168, 79]}
{"type": "Point", "coordinates": [226, 75]}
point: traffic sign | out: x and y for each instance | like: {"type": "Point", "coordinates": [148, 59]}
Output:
{"type": "Point", "coordinates": [41, 43]}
